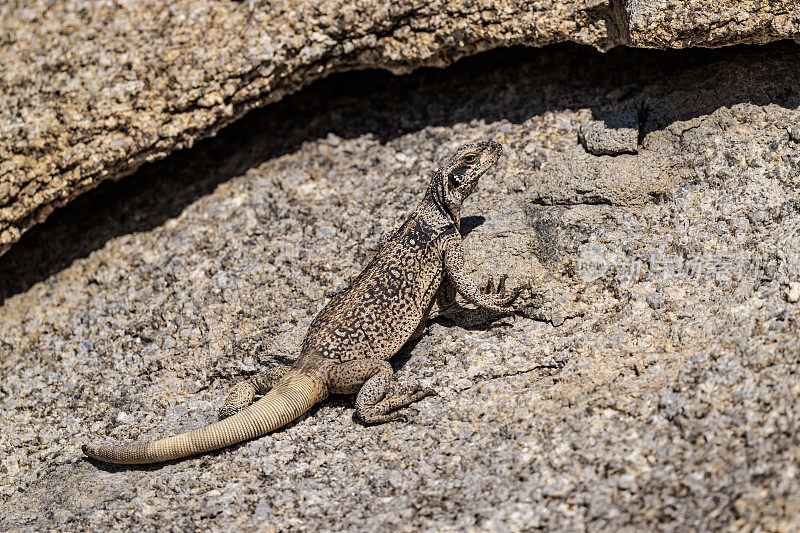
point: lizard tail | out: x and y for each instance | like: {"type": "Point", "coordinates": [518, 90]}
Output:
{"type": "Point", "coordinates": [290, 398]}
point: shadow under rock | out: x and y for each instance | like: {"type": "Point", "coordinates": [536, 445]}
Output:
{"type": "Point", "coordinates": [508, 84]}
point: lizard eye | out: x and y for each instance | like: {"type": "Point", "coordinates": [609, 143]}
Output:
{"type": "Point", "coordinates": [470, 158]}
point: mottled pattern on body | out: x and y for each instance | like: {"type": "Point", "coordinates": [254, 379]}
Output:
{"type": "Point", "coordinates": [347, 345]}
{"type": "Point", "coordinates": [382, 308]}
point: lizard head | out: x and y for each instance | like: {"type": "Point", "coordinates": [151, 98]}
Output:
{"type": "Point", "coordinates": [459, 175]}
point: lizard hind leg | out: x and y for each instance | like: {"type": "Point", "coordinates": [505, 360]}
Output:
{"type": "Point", "coordinates": [242, 394]}
{"type": "Point", "coordinates": [379, 394]}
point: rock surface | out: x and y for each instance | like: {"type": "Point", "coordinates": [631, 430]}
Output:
{"type": "Point", "coordinates": [90, 92]}
{"type": "Point", "coordinates": [651, 383]}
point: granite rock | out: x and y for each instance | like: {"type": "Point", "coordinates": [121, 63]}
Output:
{"type": "Point", "coordinates": [650, 381]}
{"type": "Point", "coordinates": [618, 134]}
{"type": "Point", "coordinates": [89, 92]}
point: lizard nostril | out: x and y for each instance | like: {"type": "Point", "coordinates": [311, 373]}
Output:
{"type": "Point", "coordinates": [494, 146]}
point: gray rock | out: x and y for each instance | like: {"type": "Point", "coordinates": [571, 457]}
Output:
{"type": "Point", "coordinates": [90, 93]}
{"type": "Point", "coordinates": [680, 416]}
{"type": "Point", "coordinates": [618, 134]}
{"type": "Point", "coordinates": [655, 300]}
{"type": "Point", "coordinates": [794, 133]}
{"type": "Point", "coordinates": [793, 292]}
{"type": "Point", "coordinates": [665, 23]}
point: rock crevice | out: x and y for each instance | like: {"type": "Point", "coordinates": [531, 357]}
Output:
{"type": "Point", "coordinates": [91, 93]}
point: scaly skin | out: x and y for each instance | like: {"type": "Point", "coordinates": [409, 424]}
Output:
{"type": "Point", "coordinates": [347, 346]}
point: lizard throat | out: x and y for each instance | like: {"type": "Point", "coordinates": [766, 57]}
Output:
{"type": "Point", "coordinates": [441, 206]}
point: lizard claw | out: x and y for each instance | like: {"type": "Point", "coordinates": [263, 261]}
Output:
{"type": "Point", "coordinates": [501, 285]}
{"type": "Point", "coordinates": [489, 289]}
{"type": "Point", "coordinates": [499, 295]}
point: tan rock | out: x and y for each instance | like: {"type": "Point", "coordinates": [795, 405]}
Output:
{"type": "Point", "coordinates": [89, 93]}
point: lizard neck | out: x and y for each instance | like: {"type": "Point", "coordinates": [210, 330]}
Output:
{"type": "Point", "coordinates": [436, 211]}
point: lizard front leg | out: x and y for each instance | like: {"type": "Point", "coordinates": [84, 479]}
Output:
{"type": "Point", "coordinates": [497, 301]}
{"type": "Point", "coordinates": [242, 394]}
{"type": "Point", "coordinates": [379, 394]}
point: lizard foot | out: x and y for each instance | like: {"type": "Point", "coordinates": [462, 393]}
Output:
{"type": "Point", "coordinates": [499, 295]}
{"type": "Point", "coordinates": [243, 393]}
{"type": "Point", "coordinates": [384, 411]}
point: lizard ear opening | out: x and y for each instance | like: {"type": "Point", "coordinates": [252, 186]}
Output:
{"type": "Point", "coordinates": [453, 181]}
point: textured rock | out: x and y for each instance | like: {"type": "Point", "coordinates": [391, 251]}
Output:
{"type": "Point", "coordinates": [617, 135]}
{"type": "Point", "coordinates": [653, 386]}
{"type": "Point", "coordinates": [671, 24]}
{"type": "Point", "coordinates": [89, 92]}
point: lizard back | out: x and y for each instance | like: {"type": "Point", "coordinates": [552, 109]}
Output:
{"type": "Point", "coordinates": [379, 311]}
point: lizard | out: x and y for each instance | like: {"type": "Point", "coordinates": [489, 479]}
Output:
{"type": "Point", "coordinates": [348, 344]}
